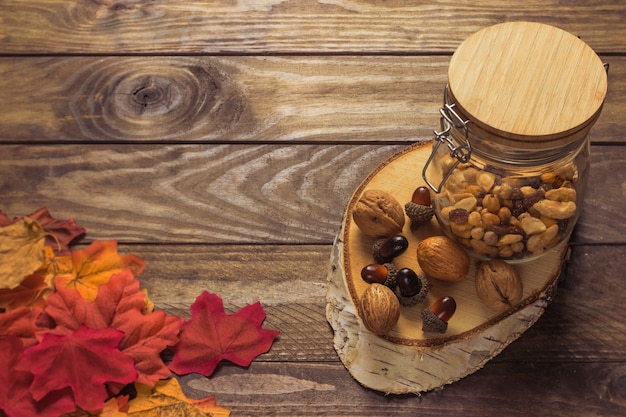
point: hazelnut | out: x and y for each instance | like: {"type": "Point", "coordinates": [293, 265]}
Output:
{"type": "Point", "coordinates": [380, 309]}
{"type": "Point", "coordinates": [498, 285]}
{"type": "Point", "coordinates": [442, 258]}
{"type": "Point", "coordinates": [378, 214]}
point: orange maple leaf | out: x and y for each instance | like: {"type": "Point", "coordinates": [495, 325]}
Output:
{"type": "Point", "coordinates": [30, 293]}
{"type": "Point", "coordinates": [120, 304]}
{"type": "Point", "coordinates": [94, 266]}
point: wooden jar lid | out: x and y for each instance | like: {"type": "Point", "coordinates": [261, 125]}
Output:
{"type": "Point", "coordinates": [528, 85]}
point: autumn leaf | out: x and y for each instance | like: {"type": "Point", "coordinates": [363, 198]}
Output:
{"type": "Point", "coordinates": [21, 251]}
{"type": "Point", "coordinates": [4, 220]}
{"type": "Point", "coordinates": [120, 303]}
{"type": "Point", "coordinates": [121, 403]}
{"type": "Point", "coordinates": [29, 293]}
{"type": "Point", "coordinates": [167, 399]}
{"type": "Point", "coordinates": [211, 335]}
{"type": "Point", "coordinates": [94, 266]}
{"type": "Point", "coordinates": [55, 265]}
{"type": "Point", "coordinates": [60, 232]}
{"type": "Point", "coordinates": [16, 400]}
{"type": "Point", "coordinates": [33, 290]}
{"type": "Point", "coordinates": [21, 322]}
{"type": "Point", "coordinates": [84, 361]}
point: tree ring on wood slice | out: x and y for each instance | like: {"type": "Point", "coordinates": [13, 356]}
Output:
{"type": "Point", "coordinates": [407, 359]}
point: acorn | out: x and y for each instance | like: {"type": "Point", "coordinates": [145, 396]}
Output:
{"type": "Point", "coordinates": [435, 318]}
{"type": "Point", "coordinates": [380, 273]}
{"type": "Point", "coordinates": [419, 210]}
{"type": "Point", "coordinates": [386, 249]}
{"type": "Point", "coordinates": [410, 288]}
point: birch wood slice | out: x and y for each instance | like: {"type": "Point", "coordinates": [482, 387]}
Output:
{"type": "Point", "coordinates": [408, 360]}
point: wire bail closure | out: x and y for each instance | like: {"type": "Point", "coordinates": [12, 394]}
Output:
{"type": "Point", "coordinates": [462, 153]}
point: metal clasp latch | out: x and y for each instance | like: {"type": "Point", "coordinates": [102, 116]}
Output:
{"type": "Point", "coordinates": [462, 153]}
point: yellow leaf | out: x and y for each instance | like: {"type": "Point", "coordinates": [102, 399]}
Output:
{"type": "Point", "coordinates": [21, 251]}
{"type": "Point", "coordinates": [167, 399]}
{"type": "Point", "coordinates": [94, 265]}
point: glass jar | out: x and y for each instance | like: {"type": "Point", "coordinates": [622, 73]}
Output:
{"type": "Point", "coordinates": [509, 165]}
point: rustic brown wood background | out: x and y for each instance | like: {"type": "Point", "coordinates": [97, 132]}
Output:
{"type": "Point", "coordinates": [220, 141]}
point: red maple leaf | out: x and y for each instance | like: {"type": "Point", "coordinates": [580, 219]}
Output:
{"type": "Point", "coordinates": [64, 231]}
{"type": "Point", "coordinates": [120, 304]}
{"type": "Point", "coordinates": [21, 322]}
{"type": "Point", "coordinates": [15, 396]}
{"type": "Point", "coordinates": [211, 335]}
{"type": "Point", "coordinates": [84, 361]}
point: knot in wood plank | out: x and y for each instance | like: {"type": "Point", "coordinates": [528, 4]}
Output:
{"type": "Point", "coordinates": [161, 99]}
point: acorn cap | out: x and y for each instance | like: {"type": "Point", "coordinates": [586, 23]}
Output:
{"type": "Point", "coordinates": [392, 271]}
{"type": "Point", "coordinates": [419, 214]}
{"type": "Point", "coordinates": [432, 323]}
{"type": "Point", "coordinates": [376, 251]}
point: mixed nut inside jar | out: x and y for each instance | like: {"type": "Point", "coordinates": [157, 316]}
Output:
{"type": "Point", "coordinates": [509, 165]}
{"type": "Point", "coordinates": [505, 215]}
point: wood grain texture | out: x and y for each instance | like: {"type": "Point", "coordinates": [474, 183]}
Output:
{"type": "Point", "coordinates": [500, 389]}
{"type": "Point", "coordinates": [226, 99]}
{"type": "Point", "coordinates": [234, 99]}
{"type": "Point", "coordinates": [586, 320]}
{"type": "Point", "coordinates": [294, 26]}
{"type": "Point", "coordinates": [215, 193]}
{"type": "Point", "coordinates": [288, 280]}
{"type": "Point", "coordinates": [234, 193]}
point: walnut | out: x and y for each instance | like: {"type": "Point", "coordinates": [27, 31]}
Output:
{"type": "Point", "coordinates": [498, 285]}
{"type": "Point", "coordinates": [378, 214]}
{"type": "Point", "coordinates": [380, 309]}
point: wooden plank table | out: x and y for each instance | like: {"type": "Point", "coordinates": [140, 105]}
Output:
{"type": "Point", "coordinates": [220, 142]}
